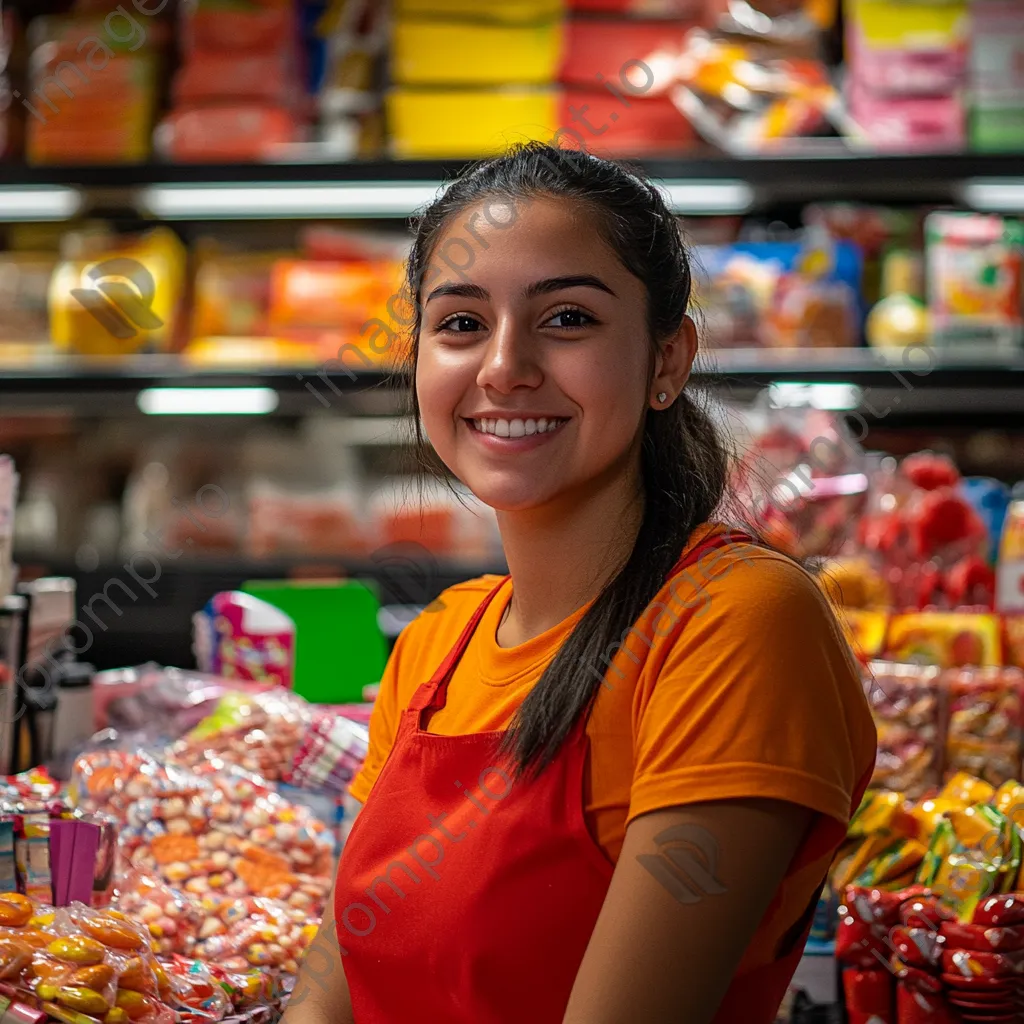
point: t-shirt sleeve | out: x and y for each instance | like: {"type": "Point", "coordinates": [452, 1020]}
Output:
{"type": "Point", "coordinates": [758, 696]}
{"type": "Point", "coordinates": [383, 723]}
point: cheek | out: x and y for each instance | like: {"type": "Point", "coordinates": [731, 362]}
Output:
{"type": "Point", "coordinates": [439, 387]}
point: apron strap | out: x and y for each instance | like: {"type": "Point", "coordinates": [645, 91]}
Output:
{"type": "Point", "coordinates": [434, 693]}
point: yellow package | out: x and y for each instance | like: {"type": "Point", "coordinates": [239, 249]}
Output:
{"type": "Point", "coordinates": [965, 790]}
{"type": "Point", "coordinates": [505, 11]}
{"type": "Point", "coordinates": [122, 299]}
{"type": "Point", "coordinates": [424, 53]}
{"type": "Point", "coordinates": [946, 639]}
{"type": "Point", "coordinates": [865, 631]}
{"type": "Point", "coordinates": [899, 860]}
{"type": "Point", "coordinates": [1009, 800]}
{"type": "Point", "coordinates": [439, 123]}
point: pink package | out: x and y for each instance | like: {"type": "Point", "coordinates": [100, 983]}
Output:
{"type": "Point", "coordinates": [241, 637]}
{"type": "Point", "coordinates": [910, 124]}
{"type": "Point", "coordinates": [906, 70]}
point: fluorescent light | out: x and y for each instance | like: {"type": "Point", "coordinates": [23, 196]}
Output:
{"type": "Point", "coordinates": [39, 202]}
{"type": "Point", "coordinates": [207, 401]}
{"type": "Point", "coordinates": [278, 200]}
{"type": "Point", "coordinates": [999, 195]}
{"type": "Point", "coordinates": [793, 394]}
{"type": "Point", "coordinates": [708, 197]}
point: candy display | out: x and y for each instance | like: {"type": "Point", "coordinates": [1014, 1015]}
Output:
{"type": "Point", "coordinates": [257, 732]}
{"type": "Point", "coordinates": [95, 963]}
{"type": "Point", "coordinates": [221, 831]}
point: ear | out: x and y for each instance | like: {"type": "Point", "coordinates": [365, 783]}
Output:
{"type": "Point", "coordinates": [673, 365]}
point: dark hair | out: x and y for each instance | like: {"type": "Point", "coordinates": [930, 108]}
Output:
{"type": "Point", "coordinates": [684, 457]}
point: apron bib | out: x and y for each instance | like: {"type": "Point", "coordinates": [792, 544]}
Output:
{"type": "Point", "coordinates": [464, 897]}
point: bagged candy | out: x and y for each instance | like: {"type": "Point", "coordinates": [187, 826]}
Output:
{"type": "Point", "coordinates": [252, 932]}
{"type": "Point", "coordinates": [986, 712]}
{"type": "Point", "coordinates": [905, 703]}
{"type": "Point", "coordinates": [260, 733]}
{"type": "Point", "coordinates": [173, 921]}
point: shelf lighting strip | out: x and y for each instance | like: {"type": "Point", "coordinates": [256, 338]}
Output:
{"type": "Point", "coordinates": [994, 195]}
{"type": "Point", "coordinates": [369, 199]}
{"type": "Point", "coordinates": [38, 202]}
{"type": "Point", "coordinates": [203, 401]}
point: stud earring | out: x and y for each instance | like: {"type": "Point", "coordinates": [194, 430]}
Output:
{"type": "Point", "coordinates": [662, 395]}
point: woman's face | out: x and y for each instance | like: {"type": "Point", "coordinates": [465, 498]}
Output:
{"type": "Point", "coordinates": [532, 370]}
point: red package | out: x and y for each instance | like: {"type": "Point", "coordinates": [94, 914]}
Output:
{"type": "Point", "coordinates": [917, 947]}
{"type": "Point", "coordinates": [1000, 911]}
{"type": "Point", "coordinates": [690, 9]}
{"type": "Point", "coordinates": [916, 1007]}
{"type": "Point", "coordinates": [607, 49]}
{"type": "Point", "coordinates": [269, 79]}
{"type": "Point", "coordinates": [230, 133]}
{"type": "Point", "coordinates": [869, 996]}
{"type": "Point", "coordinates": [982, 937]}
{"type": "Point", "coordinates": [266, 28]}
{"type": "Point", "coordinates": [651, 126]}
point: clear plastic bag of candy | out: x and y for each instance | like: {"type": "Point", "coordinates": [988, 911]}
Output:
{"type": "Point", "coordinates": [906, 705]}
{"type": "Point", "coordinates": [172, 919]}
{"type": "Point", "coordinates": [255, 932]}
{"type": "Point", "coordinates": [260, 733]}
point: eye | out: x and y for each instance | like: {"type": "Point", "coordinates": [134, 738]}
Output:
{"type": "Point", "coordinates": [460, 323]}
{"type": "Point", "coordinates": [570, 319]}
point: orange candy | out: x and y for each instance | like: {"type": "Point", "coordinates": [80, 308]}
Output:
{"type": "Point", "coordinates": [97, 977]}
{"type": "Point", "coordinates": [15, 910]}
{"type": "Point", "coordinates": [111, 932]}
{"type": "Point", "coordinates": [85, 999]}
{"type": "Point", "coordinates": [77, 949]}
{"type": "Point", "coordinates": [137, 976]}
{"type": "Point", "coordinates": [135, 1004]}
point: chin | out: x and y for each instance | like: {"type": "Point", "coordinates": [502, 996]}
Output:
{"type": "Point", "coordinates": [508, 496]}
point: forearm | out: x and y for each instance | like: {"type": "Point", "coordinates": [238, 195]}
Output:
{"type": "Point", "coordinates": [321, 994]}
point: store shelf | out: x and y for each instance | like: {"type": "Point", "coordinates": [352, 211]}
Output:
{"type": "Point", "coordinates": [834, 174]}
{"type": "Point", "coordinates": [908, 383]}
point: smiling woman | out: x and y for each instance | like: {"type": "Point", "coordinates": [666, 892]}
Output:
{"type": "Point", "coordinates": [681, 725]}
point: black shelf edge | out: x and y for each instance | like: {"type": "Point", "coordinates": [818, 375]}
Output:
{"type": "Point", "coordinates": [928, 368]}
{"type": "Point", "coordinates": [924, 177]}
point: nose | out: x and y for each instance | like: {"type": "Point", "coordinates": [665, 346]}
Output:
{"type": "Point", "coordinates": [509, 359]}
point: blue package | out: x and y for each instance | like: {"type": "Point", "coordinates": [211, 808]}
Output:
{"type": "Point", "coordinates": [990, 499]}
{"type": "Point", "coordinates": [712, 262]}
{"type": "Point", "coordinates": [8, 870]}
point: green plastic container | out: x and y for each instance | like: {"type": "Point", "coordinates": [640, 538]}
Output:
{"type": "Point", "coordinates": [339, 647]}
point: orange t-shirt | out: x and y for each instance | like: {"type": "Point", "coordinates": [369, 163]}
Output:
{"type": "Point", "coordinates": [735, 683]}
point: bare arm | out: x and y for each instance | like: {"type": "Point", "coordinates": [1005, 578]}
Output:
{"type": "Point", "coordinates": [321, 993]}
{"type": "Point", "coordinates": [691, 886]}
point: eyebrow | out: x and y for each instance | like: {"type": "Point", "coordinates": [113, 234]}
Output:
{"type": "Point", "coordinates": [544, 287]}
{"type": "Point", "coordinates": [555, 284]}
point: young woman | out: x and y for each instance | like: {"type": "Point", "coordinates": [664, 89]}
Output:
{"type": "Point", "coordinates": [605, 789]}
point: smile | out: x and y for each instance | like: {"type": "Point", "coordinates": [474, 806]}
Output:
{"type": "Point", "coordinates": [517, 427]}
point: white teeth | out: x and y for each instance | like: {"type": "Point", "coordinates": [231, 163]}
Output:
{"type": "Point", "coordinates": [517, 428]}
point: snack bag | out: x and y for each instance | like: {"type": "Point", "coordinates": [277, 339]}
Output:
{"type": "Point", "coordinates": [986, 715]}
{"type": "Point", "coordinates": [906, 705]}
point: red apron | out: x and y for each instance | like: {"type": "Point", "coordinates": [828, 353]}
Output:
{"type": "Point", "coordinates": [465, 899]}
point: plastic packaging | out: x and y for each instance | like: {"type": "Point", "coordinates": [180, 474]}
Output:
{"type": "Point", "coordinates": [906, 705]}
{"type": "Point", "coordinates": [986, 717]}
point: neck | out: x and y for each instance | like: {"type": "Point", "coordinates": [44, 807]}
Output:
{"type": "Point", "coordinates": [561, 556]}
